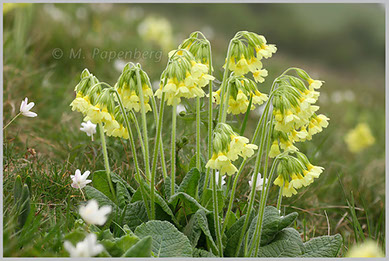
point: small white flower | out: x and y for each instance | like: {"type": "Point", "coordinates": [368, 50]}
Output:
{"type": "Point", "coordinates": [80, 181]}
{"type": "Point", "coordinates": [87, 248]}
{"type": "Point", "coordinates": [259, 182]}
{"type": "Point", "coordinates": [94, 215]}
{"type": "Point", "coordinates": [180, 108]}
{"type": "Point", "coordinates": [25, 108]}
{"type": "Point", "coordinates": [217, 178]}
{"type": "Point", "coordinates": [89, 128]}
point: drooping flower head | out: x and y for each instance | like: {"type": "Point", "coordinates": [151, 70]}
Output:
{"type": "Point", "coordinates": [241, 89]}
{"type": "Point", "coordinates": [127, 87]}
{"type": "Point", "coordinates": [183, 77]}
{"type": "Point", "coordinates": [97, 104]}
{"type": "Point", "coordinates": [295, 172]}
{"type": "Point", "coordinates": [247, 51]}
{"type": "Point", "coordinates": [294, 111]}
{"type": "Point", "coordinates": [228, 146]}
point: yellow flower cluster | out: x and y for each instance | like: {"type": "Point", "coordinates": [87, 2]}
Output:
{"type": "Point", "coordinates": [185, 78]}
{"type": "Point", "coordinates": [295, 113]}
{"type": "Point", "coordinates": [227, 147]}
{"type": "Point", "coordinates": [97, 105]}
{"type": "Point", "coordinates": [157, 30]}
{"type": "Point", "coordinates": [127, 87]}
{"type": "Point", "coordinates": [369, 248]}
{"type": "Point", "coordinates": [294, 173]}
{"type": "Point", "coordinates": [241, 89]}
{"type": "Point", "coordinates": [247, 51]}
{"type": "Point", "coordinates": [359, 138]}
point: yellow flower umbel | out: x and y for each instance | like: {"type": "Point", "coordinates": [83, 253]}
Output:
{"type": "Point", "coordinates": [295, 172]}
{"type": "Point", "coordinates": [185, 78]}
{"type": "Point", "coordinates": [156, 30]}
{"type": "Point", "coordinates": [359, 138]}
{"type": "Point", "coordinates": [294, 111]}
{"type": "Point", "coordinates": [227, 147]}
{"type": "Point", "coordinates": [127, 87]}
{"type": "Point", "coordinates": [241, 89]}
{"type": "Point", "coordinates": [247, 50]}
{"type": "Point", "coordinates": [369, 248]}
{"type": "Point", "coordinates": [98, 105]}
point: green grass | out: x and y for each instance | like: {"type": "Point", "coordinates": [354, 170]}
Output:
{"type": "Point", "coordinates": [348, 198]}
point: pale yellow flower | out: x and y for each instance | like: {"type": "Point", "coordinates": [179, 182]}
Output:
{"type": "Point", "coordinates": [359, 138]}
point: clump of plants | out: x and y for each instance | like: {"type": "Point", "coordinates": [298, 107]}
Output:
{"type": "Point", "coordinates": [198, 216]}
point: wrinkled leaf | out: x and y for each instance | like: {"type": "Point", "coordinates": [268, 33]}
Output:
{"type": "Point", "coordinates": [167, 240]}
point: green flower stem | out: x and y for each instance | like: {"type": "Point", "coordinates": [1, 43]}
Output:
{"type": "Point", "coordinates": [144, 128]}
{"type": "Point", "coordinates": [14, 118]}
{"type": "Point", "coordinates": [146, 144]}
{"type": "Point", "coordinates": [258, 229]}
{"type": "Point", "coordinates": [106, 162]}
{"type": "Point", "coordinates": [263, 199]}
{"type": "Point", "coordinates": [246, 117]}
{"type": "Point", "coordinates": [198, 163]}
{"type": "Point", "coordinates": [173, 149]}
{"type": "Point", "coordinates": [232, 197]}
{"type": "Point", "coordinates": [252, 194]}
{"type": "Point", "coordinates": [156, 145]}
{"type": "Point", "coordinates": [210, 119]}
{"type": "Point", "coordinates": [280, 197]}
{"type": "Point", "coordinates": [156, 117]}
{"type": "Point", "coordinates": [216, 215]}
{"type": "Point", "coordinates": [135, 120]}
{"type": "Point", "coordinates": [224, 81]}
{"type": "Point", "coordinates": [225, 106]}
{"type": "Point", "coordinates": [133, 148]}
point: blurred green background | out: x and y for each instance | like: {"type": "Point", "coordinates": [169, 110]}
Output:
{"type": "Point", "coordinates": [342, 44]}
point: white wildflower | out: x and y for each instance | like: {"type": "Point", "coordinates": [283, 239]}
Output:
{"type": "Point", "coordinates": [80, 181]}
{"type": "Point", "coordinates": [87, 248]}
{"type": "Point", "coordinates": [25, 108]}
{"type": "Point", "coordinates": [93, 215]}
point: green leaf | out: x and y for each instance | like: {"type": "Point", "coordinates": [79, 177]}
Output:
{"type": "Point", "coordinates": [202, 222]}
{"type": "Point", "coordinates": [135, 214]}
{"type": "Point", "coordinates": [208, 200]}
{"type": "Point", "coordinates": [118, 246]}
{"type": "Point", "coordinates": [100, 182]}
{"type": "Point", "coordinates": [290, 234]}
{"type": "Point", "coordinates": [190, 182]}
{"type": "Point", "coordinates": [140, 249]}
{"type": "Point", "coordinates": [18, 188]}
{"type": "Point", "coordinates": [287, 220]}
{"type": "Point", "coordinates": [324, 246]}
{"type": "Point", "coordinates": [189, 204]}
{"type": "Point", "coordinates": [24, 206]}
{"type": "Point", "coordinates": [122, 194]}
{"type": "Point", "coordinates": [201, 253]}
{"type": "Point", "coordinates": [167, 240]}
{"type": "Point", "coordinates": [75, 236]}
{"type": "Point", "coordinates": [192, 231]}
{"type": "Point", "coordinates": [158, 200]}
{"type": "Point", "coordinates": [233, 235]}
{"type": "Point", "coordinates": [280, 248]}
{"type": "Point", "coordinates": [103, 200]}
{"type": "Point", "coordinates": [168, 187]}
{"type": "Point", "coordinates": [117, 179]}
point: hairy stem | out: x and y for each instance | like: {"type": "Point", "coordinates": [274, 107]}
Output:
{"type": "Point", "coordinates": [133, 149]}
{"type": "Point", "coordinates": [216, 215]}
{"type": "Point", "coordinates": [106, 162]}
{"type": "Point", "coordinates": [173, 149]}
